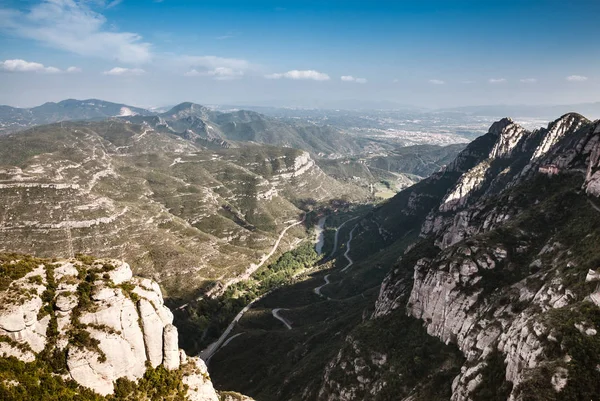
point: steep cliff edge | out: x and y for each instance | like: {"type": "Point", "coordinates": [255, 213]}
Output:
{"type": "Point", "coordinates": [88, 326]}
{"type": "Point", "coordinates": [506, 271]}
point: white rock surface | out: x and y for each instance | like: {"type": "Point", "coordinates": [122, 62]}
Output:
{"type": "Point", "coordinates": [200, 388]}
{"type": "Point", "coordinates": [170, 348]}
{"type": "Point", "coordinates": [129, 335]}
{"type": "Point", "coordinates": [121, 274]}
{"type": "Point", "coordinates": [152, 336]}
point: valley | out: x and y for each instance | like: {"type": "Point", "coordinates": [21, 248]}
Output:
{"type": "Point", "coordinates": [297, 276]}
{"type": "Point", "coordinates": [299, 201]}
{"type": "Point", "coordinates": [321, 307]}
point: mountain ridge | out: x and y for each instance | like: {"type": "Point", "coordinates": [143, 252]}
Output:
{"type": "Point", "coordinates": [501, 286]}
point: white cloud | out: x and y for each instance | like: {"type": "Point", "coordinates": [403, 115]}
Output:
{"type": "Point", "coordinates": [296, 74]}
{"type": "Point", "coordinates": [120, 71]}
{"type": "Point", "coordinates": [436, 82]}
{"type": "Point", "coordinates": [219, 73]}
{"type": "Point", "coordinates": [114, 3]}
{"type": "Point", "coordinates": [75, 27]}
{"type": "Point", "coordinates": [350, 78]}
{"type": "Point", "coordinates": [576, 78]}
{"type": "Point", "coordinates": [395, 80]}
{"type": "Point", "coordinates": [528, 80]}
{"type": "Point", "coordinates": [497, 80]}
{"type": "Point", "coordinates": [19, 65]}
{"type": "Point", "coordinates": [219, 68]}
{"type": "Point", "coordinates": [73, 70]}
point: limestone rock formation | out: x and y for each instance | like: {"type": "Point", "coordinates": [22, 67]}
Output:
{"type": "Point", "coordinates": [505, 269]}
{"type": "Point", "coordinates": [109, 323]}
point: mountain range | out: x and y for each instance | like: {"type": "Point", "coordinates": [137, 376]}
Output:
{"type": "Point", "coordinates": [192, 121]}
{"type": "Point", "coordinates": [14, 119]}
{"type": "Point", "coordinates": [478, 281]}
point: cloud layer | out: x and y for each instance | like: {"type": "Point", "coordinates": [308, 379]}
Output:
{"type": "Point", "coordinates": [121, 71]}
{"type": "Point", "coordinates": [297, 74]}
{"type": "Point", "coordinates": [73, 26]}
{"type": "Point", "coordinates": [497, 80]}
{"type": "Point", "coordinates": [350, 78]}
{"type": "Point", "coordinates": [576, 78]}
{"type": "Point", "coordinates": [220, 68]}
{"type": "Point", "coordinates": [436, 82]}
{"type": "Point", "coordinates": [18, 65]}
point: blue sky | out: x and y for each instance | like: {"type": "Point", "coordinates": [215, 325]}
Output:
{"type": "Point", "coordinates": [310, 53]}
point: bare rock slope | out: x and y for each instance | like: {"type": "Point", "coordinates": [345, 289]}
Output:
{"type": "Point", "coordinates": [505, 272]}
{"type": "Point", "coordinates": [99, 322]}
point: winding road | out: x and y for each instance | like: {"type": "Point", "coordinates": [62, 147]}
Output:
{"type": "Point", "coordinates": [347, 253]}
{"type": "Point", "coordinates": [337, 234]}
{"type": "Point", "coordinates": [277, 316]}
{"type": "Point", "coordinates": [317, 290]}
{"type": "Point", "coordinates": [209, 351]}
{"type": "Point", "coordinates": [249, 271]}
{"type": "Point", "coordinates": [253, 267]}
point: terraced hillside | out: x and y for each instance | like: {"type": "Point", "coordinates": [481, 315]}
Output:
{"type": "Point", "coordinates": [179, 213]}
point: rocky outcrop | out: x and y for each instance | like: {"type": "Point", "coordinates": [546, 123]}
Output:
{"type": "Point", "coordinates": [570, 143]}
{"type": "Point", "coordinates": [20, 305]}
{"type": "Point", "coordinates": [109, 323]}
{"type": "Point", "coordinates": [502, 288]}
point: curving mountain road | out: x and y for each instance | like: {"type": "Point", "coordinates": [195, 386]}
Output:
{"type": "Point", "coordinates": [277, 316]}
{"type": "Point", "coordinates": [317, 290]}
{"type": "Point", "coordinates": [209, 351]}
{"type": "Point", "coordinates": [249, 271]}
{"type": "Point", "coordinates": [346, 254]}
{"type": "Point", "coordinates": [253, 267]}
{"type": "Point", "coordinates": [337, 233]}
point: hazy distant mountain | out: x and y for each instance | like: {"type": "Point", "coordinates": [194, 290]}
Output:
{"type": "Point", "coordinates": [14, 119]}
{"type": "Point", "coordinates": [592, 110]}
{"type": "Point", "coordinates": [204, 125]}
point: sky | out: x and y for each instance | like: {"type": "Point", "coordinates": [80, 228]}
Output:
{"type": "Point", "coordinates": [426, 53]}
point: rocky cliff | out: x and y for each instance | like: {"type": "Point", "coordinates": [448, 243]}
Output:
{"type": "Point", "coordinates": [505, 271]}
{"type": "Point", "coordinates": [92, 323]}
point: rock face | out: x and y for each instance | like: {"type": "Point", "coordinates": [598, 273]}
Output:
{"type": "Point", "coordinates": [502, 280]}
{"type": "Point", "coordinates": [110, 324]}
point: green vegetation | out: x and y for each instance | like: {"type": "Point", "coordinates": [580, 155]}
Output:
{"type": "Point", "coordinates": [422, 362]}
{"type": "Point", "coordinates": [37, 381]}
{"type": "Point", "coordinates": [212, 315]}
{"type": "Point", "coordinates": [14, 267]}
{"type": "Point", "coordinates": [494, 386]}
{"type": "Point", "coordinates": [583, 376]}
{"type": "Point", "coordinates": [43, 380]}
{"type": "Point", "coordinates": [158, 384]}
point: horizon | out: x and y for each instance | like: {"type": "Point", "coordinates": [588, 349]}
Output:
{"type": "Point", "coordinates": [541, 111]}
{"type": "Point", "coordinates": [433, 54]}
